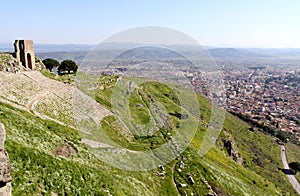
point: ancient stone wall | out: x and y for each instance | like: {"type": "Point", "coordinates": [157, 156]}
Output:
{"type": "Point", "coordinates": [24, 52]}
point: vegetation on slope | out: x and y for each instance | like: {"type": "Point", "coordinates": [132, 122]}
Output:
{"type": "Point", "coordinates": [259, 151]}
{"type": "Point", "coordinates": [293, 155]}
{"type": "Point", "coordinates": [65, 78]}
{"type": "Point", "coordinates": [37, 170]}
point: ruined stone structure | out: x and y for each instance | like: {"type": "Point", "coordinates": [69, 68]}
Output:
{"type": "Point", "coordinates": [24, 52]}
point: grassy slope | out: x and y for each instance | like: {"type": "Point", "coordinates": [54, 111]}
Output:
{"type": "Point", "coordinates": [66, 78]}
{"type": "Point", "coordinates": [36, 171]}
{"type": "Point", "coordinates": [259, 151]}
{"type": "Point", "coordinates": [293, 154]}
{"type": "Point", "coordinates": [261, 154]}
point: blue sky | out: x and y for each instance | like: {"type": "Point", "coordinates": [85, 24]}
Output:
{"type": "Point", "coordinates": [244, 23]}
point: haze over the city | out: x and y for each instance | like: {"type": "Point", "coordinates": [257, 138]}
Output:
{"type": "Point", "coordinates": [270, 23]}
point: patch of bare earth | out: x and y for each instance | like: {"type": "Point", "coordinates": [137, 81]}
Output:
{"type": "Point", "coordinates": [65, 151]}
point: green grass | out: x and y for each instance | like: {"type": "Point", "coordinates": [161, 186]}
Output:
{"type": "Point", "coordinates": [293, 155]}
{"type": "Point", "coordinates": [37, 171]}
{"type": "Point", "coordinates": [65, 78]}
{"type": "Point", "coordinates": [104, 90]}
{"type": "Point", "coordinates": [149, 127]}
{"type": "Point", "coordinates": [259, 151]}
{"type": "Point", "coordinates": [4, 58]}
{"type": "Point", "coordinates": [139, 107]}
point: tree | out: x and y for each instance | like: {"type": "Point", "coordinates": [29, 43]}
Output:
{"type": "Point", "coordinates": [50, 63]}
{"type": "Point", "coordinates": [283, 136]}
{"type": "Point", "coordinates": [295, 166]}
{"type": "Point", "coordinates": [68, 65]}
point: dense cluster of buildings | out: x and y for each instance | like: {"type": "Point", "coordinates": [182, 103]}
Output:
{"type": "Point", "coordinates": [269, 95]}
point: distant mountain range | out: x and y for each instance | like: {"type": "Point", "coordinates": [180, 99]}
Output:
{"type": "Point", "coordinates": [237, 55]}
{"type": "Point", "coordinates": [41, 48]}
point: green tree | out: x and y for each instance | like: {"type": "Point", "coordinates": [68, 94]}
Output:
{"type": "Point", "coordinates": [283, 136]}
{"type": "Point", "coordinates": [50, 63]}
{"type": "Point", "coordinates": [68, 65]}
{"type": "Point", "coordinates": [295, 166]}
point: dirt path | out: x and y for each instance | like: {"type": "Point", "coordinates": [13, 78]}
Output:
{"type": "Point", "coordinates": [173, 180]}
{"type": "Point", "coordinates": [33, 102]}
{"type": "Point", "coordinates": [95, 144]}
{"type": "Point", "coordinates": [291, 178]}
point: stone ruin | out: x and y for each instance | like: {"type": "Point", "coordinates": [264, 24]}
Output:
{"type": "Point", "coordinates": [22, 59]}
{"type": "Point", "coordinates": [24, 53]}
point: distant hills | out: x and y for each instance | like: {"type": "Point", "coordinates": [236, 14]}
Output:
{"type": "Point", "coordinates": [42, 48]}
{"type": "Point", "coordinates": [218, 51]}
{"type": "Point", "coordinates": [279, 52]}
{"type": "Point", "coordinates": [224, 56]}
{"type": "Point", "coordinates": [236, 53]}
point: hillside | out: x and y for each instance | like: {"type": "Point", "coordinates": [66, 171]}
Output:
{"type": "Point", "coordinates": [49, 156]}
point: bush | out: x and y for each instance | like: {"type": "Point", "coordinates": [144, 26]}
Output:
{"type": "Point", "coordinates": [295, 166]}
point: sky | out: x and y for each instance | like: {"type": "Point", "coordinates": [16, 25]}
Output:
{"type": "Point", "coordinates": [238, 23]}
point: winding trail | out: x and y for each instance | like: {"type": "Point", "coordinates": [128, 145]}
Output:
{"type": "Point", "coordinates": [291, 178]}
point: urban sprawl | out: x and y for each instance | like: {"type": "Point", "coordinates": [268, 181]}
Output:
{"type": "Point", "coordinates": [268, 95]}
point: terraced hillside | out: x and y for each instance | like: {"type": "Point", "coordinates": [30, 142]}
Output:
{"type": "Point", "coordinates": [48, 156]}
{"type": "Point", "coordinates": [46, 98]}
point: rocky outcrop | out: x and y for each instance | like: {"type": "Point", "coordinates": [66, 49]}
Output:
{"type": "Point", "coordinates": [232, 151]}
{"type": "Point", "coordinates": [9, 64]}
{"type": "Point", "coordinates": [229, 145]}
{"type": "Point", "coordinates": [5, 177]}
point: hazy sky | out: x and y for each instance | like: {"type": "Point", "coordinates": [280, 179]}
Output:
{"type": "Point", "coordinates": [246, 23]}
